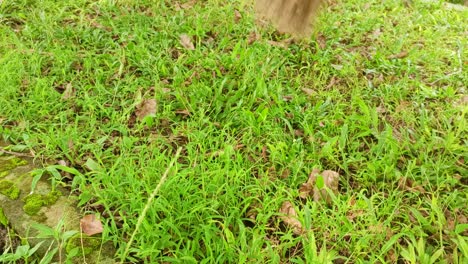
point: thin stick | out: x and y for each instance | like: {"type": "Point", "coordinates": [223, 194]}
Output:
{"type": "Point", "coordinates": [18, 154]}
{"type": "Point", "coordinates": [148, 204]}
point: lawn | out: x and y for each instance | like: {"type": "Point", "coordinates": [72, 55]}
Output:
{"type": "Point", "coordinates": [377, 94]}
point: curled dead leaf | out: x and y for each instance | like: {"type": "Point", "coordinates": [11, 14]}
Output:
{"type": "Point", "coordinates": [183, 112]}
{"type": "Point", "coordinates": [90, 225]}
{"type": "Point", "coordinates": [400, 55]}
{"type": "Point", "coordinates": [290, 218]}
{"type": "Point", "coordinates": [69, 92]}
{"type": "Point", "coordinates": [318, 190]}
{"type": "Point", "coordinates": [186, 42]}
{"type": "Point", "coordinates": [307, 189]}
{"type": "Point", "coordinates": [330, 182]}
{"type": "Point", "coordinates": [406, 184]}
{"type": "Point", "coordinates": [253, 37]}
{"type": "Point", "coordinates": [308, 91]}
{"type": "Point", "coordinates": [237, 16]}
{"type": "Point", "coordinates": [321, 41]}
{"type": "Point", "coordinates": [145, 108]}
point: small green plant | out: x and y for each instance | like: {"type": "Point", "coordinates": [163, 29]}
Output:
{"type": "Point", "coordinates": [377, 94]}
{"type": "Point", "coordinates": [416, 252]}
{"type": "Point", "coordinates": [23, 253]}
{"type": "Point", "coordinates": [58, 240]}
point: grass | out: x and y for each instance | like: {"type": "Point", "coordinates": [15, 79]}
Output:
{"type": "Point", "coordinates": [378, 94]}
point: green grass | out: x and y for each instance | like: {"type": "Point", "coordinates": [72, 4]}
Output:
{"type": "Point", "coordinates": [253, 135]}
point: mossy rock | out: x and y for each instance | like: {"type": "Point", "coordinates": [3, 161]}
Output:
{"type": "Point", "coordinates": [6, 165]}
{"type": "Point", "coordinates": [9, 189]}
{"type": "Point", "coordinates": [86, 244]}
{"type": "Point", "coordinates": [34, 202]}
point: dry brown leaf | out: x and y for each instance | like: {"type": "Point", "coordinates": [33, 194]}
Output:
{"type": "Point", "coordinates": [69, 92]}
{"type": "Point", "coordinates": [299, 133]}
{"type": "Point", "coordinates": [237, 16]}
{"type": "Point", "coordinates": [406, 184]}
{"type": "Point", "coordinates": [186, 42]}
{"type": "Point", "coordinates": [62, 163]}
{"type": "Point", "coordinates": [288, 98]}
{"type": "Point", "coordinates": [376, 33]}
{"type": "Point", "coordinates": [333, 81]}
{"type": "Point", "coordinates": [330, 180]}
{"type": "Point", "coordinates": [281, 44]}
{"type": "Point", "coordinates": [188, 5]}
{"type": "Point", "coordinates": [400, 55]}
{"type": "Point", "coordinates": [183, 112]}
{"type": "Point", "coordinates": [308, 91]}
{"type": "Point", "coordinates": [285, 174]}
{"type": "Point", "coordinates": [307, 188]}
{"type": "Point", "coordinates": [90, 225]}
{"type": "Point", "coordinates": [337, 67]}
{"type": "Point", "coordinates": [290, 218]}
{"type": "Point", "coordinates": [253, 37]}
{"type": "Point", "coordinates": [322, 41]}
{"type": "Point", "coordinates": [145, 108]}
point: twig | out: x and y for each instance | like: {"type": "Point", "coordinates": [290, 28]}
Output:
{"type": "Point", "coordinates": [148, 204]}
{"type": "Point", "coordinates": [19, 154]}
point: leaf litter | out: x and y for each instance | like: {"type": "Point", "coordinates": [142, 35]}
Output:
{"type": "Point", "coordinates": [90, 225]}
{"type": "Point", "coordinates": [320, 186]}
{"type": "Point", "coordinates": [147, 107]}
{"type": "Point", "coordinates": [186, 42]}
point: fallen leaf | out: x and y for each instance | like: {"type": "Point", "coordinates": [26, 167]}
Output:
{"type": "Point", "coordinates": [308, 91]}
{"type": "Point", "coordinates": [166, 90]}
{"type": "Point", "coordinates": [253, 37]}
{"type": "Point", "coordinates": [189, 4]}
{"type": "Point", "coordinates": [330, 182]}
{"type": "Point", "coordinates": [186, 42]}
{"type": "Point", "coordinates": [400, 55]}
{"type": "Point", "coordinates": [282, 44]}
{"type": "Point", "coordinates": [285, 174]}
{"type": "Point", "coordinates": [265, 153]}
{"type": "Point", "coordinates": [71, 145]}
{"type": "Point", "coordinates": [322, 41]}
{"type": "Point", "coordinates": [317, 185]}
{"type": "Point", "coordinates": [406, 184]}
{"type": "Point", "coordinates": [333, 81]}
{"type": "Point", "coordinates": [288, 98]}
{"type": "Point", "coordinates": [183, 112]}
{"type": "Point", "coordinates": [307, 188]}
{"type": "Point", "coordinates": [299, 133]}
{"type": "Point", "coordinates": [290, 218]}
{"type": "Point", "coordinates": [237, 16]}
{"type": "Point", "coordinates": [69, 92]}
{"type": "Point", "coordinates": [90, 225]}
{"type": "Point", "coordinates": [145, 108]}
{"type": "Point", "coordinates": [337, 67]}
{"type": "Point", "coordinates": [463, 101]}
{"type": "Point", "coordinates": [376, 33]}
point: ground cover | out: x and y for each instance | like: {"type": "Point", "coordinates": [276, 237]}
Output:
{"type": "Point", "coordinates": [377, 95]}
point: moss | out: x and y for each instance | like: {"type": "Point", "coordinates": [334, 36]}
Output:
{"type": "Point", "coordinates": [6, 165]}
{"type": "Point", "coordinates": [4, 173]}
{"type": "Point", "coordinates": [3, 218]}
{"type": "Point", "coordinates": [9, 164]}
{"type": "Point", "coordinates": [90, 244]}
{"type": "Point", "coordinates": [34, 202]}
{"type": "Point", "coordinates": [52, 197]}
{"type": "Point", "coordinates": [9, 189]}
